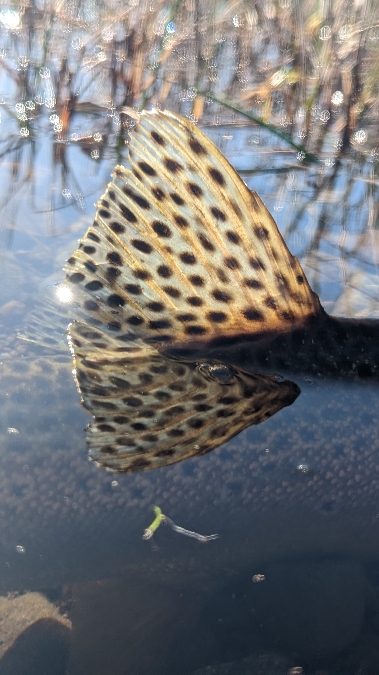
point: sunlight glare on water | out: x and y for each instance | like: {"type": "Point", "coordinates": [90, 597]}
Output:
{"type": "Point", "coordinates": [64, 294]}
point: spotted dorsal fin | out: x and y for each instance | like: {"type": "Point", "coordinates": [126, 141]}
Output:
{"type": "Point", "coordinates": [181, 251]}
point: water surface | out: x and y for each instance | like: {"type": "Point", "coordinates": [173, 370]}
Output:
{"type": "Point", "coordinates": [294, 500]}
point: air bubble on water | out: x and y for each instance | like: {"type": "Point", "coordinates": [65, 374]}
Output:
{"type": "Point", "coordinates": [23, 62]}
{"type": "Point", "coordinates": [49, 101]}
{"type": "Point", "coordinates": [196, 447]}
{"type": "Point", "coordinates": [24, 131]}
{"type": "Point", "coordinates": [107, 34]}
{"type": "Point", "coordinates": [30, 105]}
{"type": "Point", "coordinates": [325, 33]}
{"type": "Point", "coordinates": [360, 136]}
{"type": "Point", "coordinates": [325, 116]}
{"type": "Point", "coordinates": [300, 114]}
{"type": "Point", "coordinates": [44, 72]}
{"type": "Point", "coordinates": [95, 154]}
{"type": "Point", "coordinates": [345, 32]}
{"type": "Point", "coordinates": [20, 549]}
{"type": "Point", "coordinates": [303, 468]}
{"type": "Point", "coordinates": [188, 94]}
{"type": "Point", "coordinates": [219, 372]}
{"type": "Point", "coordinates": [337, 98]}
{"type": "Point", "coordinates": [76, 43]}
{"type": "Point", "coordinates": [258, 578]}
{"type": "Point", "coordinates": [97, 137]}
{"type": "Point", "coordinates": [13, 430]}
{"type": "Point", "coordinates": [170, 28]}
{"type": "Point", "coordinates": [80, 201]}
{"type": "Point", "coordinates": [114, 483]}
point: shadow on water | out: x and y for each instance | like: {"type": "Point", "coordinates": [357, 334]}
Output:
{"type": "Point", "coordinates": [291, 585]}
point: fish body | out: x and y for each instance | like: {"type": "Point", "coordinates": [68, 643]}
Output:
{"type": "Point", "coordinates": [184, 263]}
{"type": "Point", "coordinates": [332, 347]}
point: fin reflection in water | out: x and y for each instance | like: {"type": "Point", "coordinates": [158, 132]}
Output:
{"type": "Point", "coordinates": [150, 411]}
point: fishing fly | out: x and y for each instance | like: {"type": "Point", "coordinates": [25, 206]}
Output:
{"type": "Point", "coordinates": [161, 518]}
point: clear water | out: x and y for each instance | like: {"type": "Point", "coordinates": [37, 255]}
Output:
{"type": "Point", "coordinates": [293, 579]}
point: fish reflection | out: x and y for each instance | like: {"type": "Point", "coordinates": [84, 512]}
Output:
{"type": "Point", "coordinates": [183, 262]}
{"type": "Point", "coordinates": [150, 411]}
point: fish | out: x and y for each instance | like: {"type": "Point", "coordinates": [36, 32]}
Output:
{"type": "Point", "coordinates": [184, 257]}
{"type": "Point", "coordinates": [184, 272]}
{"type": "Point", "coordinates": [304, 482]}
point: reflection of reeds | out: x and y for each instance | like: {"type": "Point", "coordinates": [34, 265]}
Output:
{"type": "Point", "coordinates": [337, 207]}
{"type": "Point", "coordinates": [306, 71]}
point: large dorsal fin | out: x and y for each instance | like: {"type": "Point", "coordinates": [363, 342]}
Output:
{"type": "Point", "coordinates": [181, 251]}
